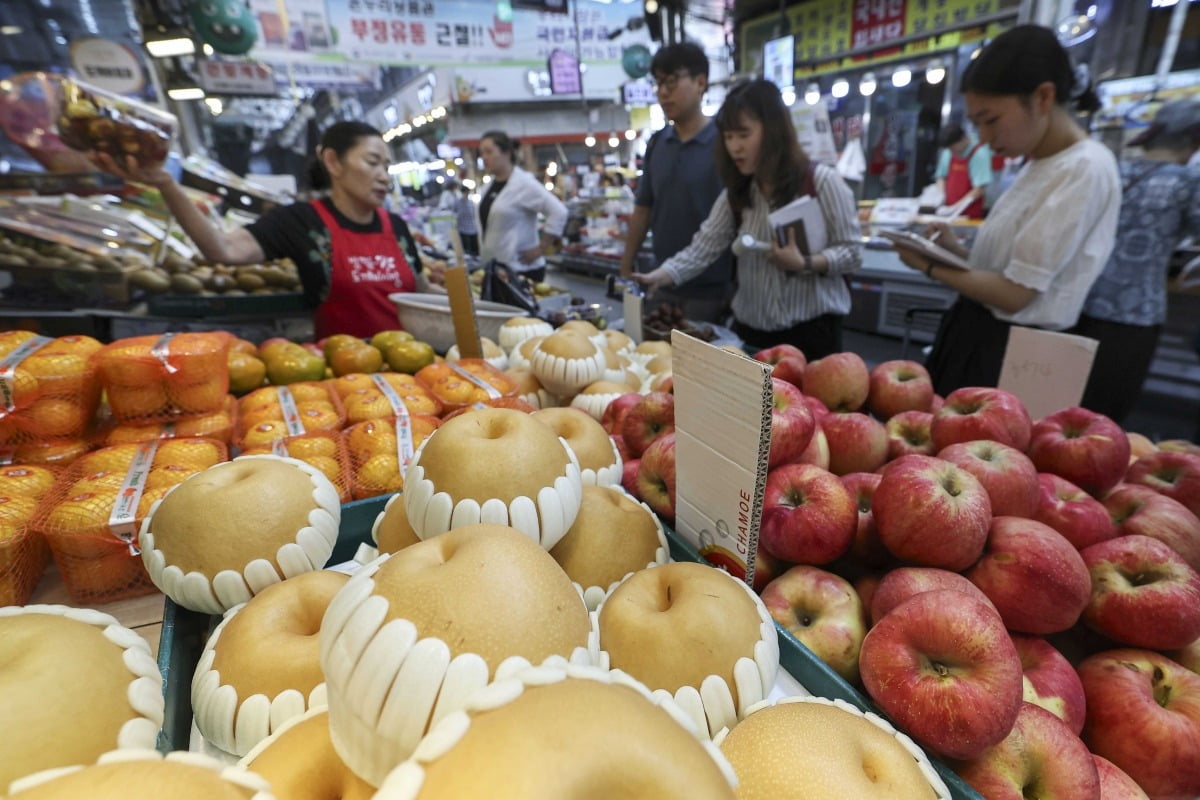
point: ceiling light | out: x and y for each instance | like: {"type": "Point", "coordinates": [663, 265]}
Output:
{"type": "Point", "coordinates": [631, 134]}
{"type": "Point", "coordinates": [789, 96]}
{"type": "Point", "coordinates": [186, 93]}
{"type": "Point", "coordinates": [167, 42]}
{"type": "Point", "coordinates": [613, 141]}
{"type": "Point", "coordinates": [589, 140]}
{"type": "Point", "coordinates": [651, 6]}
{"type": "Point", "coordinates": [215, 105]}
{"type": "Point", "coordinates": [812, 95]}
{"type": "Point", "coordinates": [840, 88]}
{"type": "Point", "coordinates": [935, 73]}
{"type": "Point", "coordinates": [11, 30]}
{"type": "Point", "coordinates": [902, 77]}
{"type": "Point", "coordinates": [550, 186]}
{"type": "Point", "coordinates": [208, 49]}
{"type": "Point", "coordinates": [867, 85]}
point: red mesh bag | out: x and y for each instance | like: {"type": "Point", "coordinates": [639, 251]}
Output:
{"type": "Point", "coordinates": [92, 515]}
{"type": "Point", "coordinates": [48, 387]}
{"type": "Point", "coordinates": [276, 412]}
{"type": "Point", "coordinates": [23, 553]}
{"type": "Point", "coordinates": [323, 449]}
{"type": "Point", "coordinates": [218, 425]}
{"type": "Point", "coordinates": [48, 452]}
{"type": "Point", "coordinates": [149, 378]}
{"type": "Point", "coordinates": [378, 456]}
{"type": "Point", "coordinates": [470, 380]}
{"type": "Point", "coordinates": [366, 397]}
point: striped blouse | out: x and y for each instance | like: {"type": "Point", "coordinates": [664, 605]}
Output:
{"type": "Point", "coordinates": [769, 298]}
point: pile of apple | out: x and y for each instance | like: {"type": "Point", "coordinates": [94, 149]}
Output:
{"type": "Point", "coordinates": [1021, 597]}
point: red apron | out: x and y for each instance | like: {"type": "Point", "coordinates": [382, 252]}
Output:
{"type": "Point", "coordinates": [364, 269]}
{"type": "Point", "coordinates": [958, 183]}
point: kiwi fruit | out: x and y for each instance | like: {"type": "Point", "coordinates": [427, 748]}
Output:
{"type": "Point", "coordinates": [249, 281]}
{"type": "Point", "coordinates": [274, 276]}
{"type": "Point", "coordinates": [152, 280]}
{"type": "Point", "coordinates": [183, 283]}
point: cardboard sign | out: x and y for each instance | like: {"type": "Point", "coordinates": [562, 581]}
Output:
{"type": "Point", "coordinates": [462, 312]}
{"type": "Point", "coordinates": [723, 411]}
{"type": "Point", "coordinates": [631, 307]}
{"type": "Point", "coordinates": [1047, 370]}
{"type": "Point", "coordinates": [895, 210]}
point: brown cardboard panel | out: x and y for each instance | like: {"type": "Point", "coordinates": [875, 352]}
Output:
{"type": "Point", "coordinates": [462, 311]}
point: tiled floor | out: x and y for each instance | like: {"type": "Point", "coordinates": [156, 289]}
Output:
{"type": "Point", "coordinates": [1161, 413]}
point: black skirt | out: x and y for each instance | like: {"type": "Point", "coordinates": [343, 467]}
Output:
{"type": "Point", "coordinates": [969, 348]}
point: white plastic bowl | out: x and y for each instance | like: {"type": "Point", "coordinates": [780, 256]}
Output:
{"type": "Point", "coordinates": [427, 317]}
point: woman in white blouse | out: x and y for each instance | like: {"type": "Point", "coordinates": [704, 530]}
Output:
{"type": "Point", "coordinates": [1049, 235]}
{"type": "Point", "coordinates": [509, 208]}
{"type": "Point", "coordinates": [783, 295]}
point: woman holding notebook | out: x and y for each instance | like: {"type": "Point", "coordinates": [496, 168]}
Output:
{"type": "Point", "coordinates": [1048, 237]}
{"type": "Point", "coordinates": [785, 294]}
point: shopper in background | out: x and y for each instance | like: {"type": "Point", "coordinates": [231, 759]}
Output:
{"type": "Point", "coordinates": [679, 184]}
{"type": "Point", "coordinates": [1127, 306]}
{"type": "Point", "coordinates": [783, 295]}
{"type": "Point", "coordinates": [964, 167]}
{"type": "Point", "coordinates": [508, 211]}
{"type": "Point", "coordinates": [349, 252]}
{"type": "Point", "coordinates": [1047, 238]}
{"type": "Point", "coordinates": [465, 218]}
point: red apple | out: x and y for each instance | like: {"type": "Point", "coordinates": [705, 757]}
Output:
{"type": "Point", "coordinates": [857, 443]}
{"type": "Point", "coordinates": [981, 412]}
{"type": "Point", "coordinates": [823, 612]}
{"type": "Point", "coordinates": [1010, 478]}
{"type": "Point", "coordinates": [865, 585]}
{"type": "Point", "coordinates": [648, 419]}
{"type": "Point", "coordinates": [1115, 784]}
{"type": "Point", "coordinates": [1086, 448]}
{"type": "Point", "coordinates": [1035, 578]}
{"type": "Point", "coordinates": [788, 361]}
{"type": "Point", "coordinates": [622, 448]}
{"type": "Point", "coordinates": [897, 386]}
{"type": "Point", "coordinates": [931, 513]}
{"type": "Point", "coordinates": [1050, 681]}
{"type": "Point", "coordinates": [942, 667]}
{"type": "Point", "coordinates": [1072, 512]}
{"type": "Point", "coordinates": [791, 423]}
{"type": "Point", "coordinates": [1143, 593]}
{"type": "Point", "coordinates": [766, 567]}
{"type": "Point", "coordinates": [902, 583]}
{"type": "Point", "coordinates": [909, 434]}
{"type": "Point", "coordinates": [666, 384]}
{"type": "Point", "coordinates": [615, 411]}
{"type": "Point", "coordinates": [1143, 714]}
{"type": "Point", "coordinates": [867, 548]}
{"type": "Point", "coordinates": [656, 476]}
{"type": "Point", "coordinates": [1041, 757]}
{"type": "Point", "coordinates": [818, 409]}
{"type": "Point", "coordinates": [629, 471]}
{"type": "Point", "coordinates": [936, 404]}
{"type": "Point", "coordinates": [1188, 656]}
{"type": "Point", "coordinates": [840, 381]}
{"type": "Point", "coordinates": [1139, 510]}
{"type": "Point", "coordinates": [817, 452]}
{"type": "Point", "coordinates": [808, 516]}
{"type": "Point", "coordinates": [1179, 446]}
{"type": "Point", "coordinates": [1175, 474]}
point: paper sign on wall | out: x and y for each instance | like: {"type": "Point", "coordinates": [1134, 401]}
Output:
{"type": "Point", "coordinates": [1047, 370]}
{"type": "Point", "coordinates": [723, 408]}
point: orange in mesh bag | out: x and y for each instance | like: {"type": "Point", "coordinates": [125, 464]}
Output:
{"type": "Point", "coordinates": [18, 386]}
{"type": "Point", "coordinates": [23, 553]}
{"type": "Point", "coordinates": [275, 412]}
{"type": "Point", "coordinates": [378, 456]}
{"type": "Point", "coordinates": [159, 377]}
{"type": "Point", "coordinates": [365, 396]}
{"type": "Point", "coordinates": [92, 517]}
{"type": "Point", "coordinates": [67, 393]}
{"type": "Point", "coordinates": [469, 380]}
{"type": "Point", "coordinates": [218, 425]}
{"type": "Point", "coordinates": [324, 450]}
{"type": "Point", "coordinates": [48, 452]}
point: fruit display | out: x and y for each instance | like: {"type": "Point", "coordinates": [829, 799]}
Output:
{"type": "Point", "coordinates": [179, 276]}
{"type": "Point", "coordinates": [23, 554]}
{"type": "Point", "coordinates": [148, 378]}
{"type": "Point", "coordinates": [51, 391]}
{"type": "Point", "coordinates": [18, 251]}
{"type": "Point", "coordinates": [659, 321]}
{"type": "Point", "coordinates": [323, 450]}
{"type": "Point", "coordinates": [91, 119]}
{"type": "Point", "coordinates": [272, 413]}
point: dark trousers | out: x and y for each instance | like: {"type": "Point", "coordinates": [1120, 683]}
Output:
{"type": "Point", "coordinates": [470, 243]}
{"type": "Point", "coordinates": [1121, 365]}
{"type": "Point", "coordinates": [969, 348]}
{"type": "Point", "coordinates": [817, 337]}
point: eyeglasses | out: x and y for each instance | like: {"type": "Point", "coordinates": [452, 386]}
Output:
{"type": "Point", "coordinates": [668, 83]}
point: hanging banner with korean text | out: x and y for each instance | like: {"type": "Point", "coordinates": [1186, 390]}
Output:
{"type": "Point", "coordinates": [235, 78]}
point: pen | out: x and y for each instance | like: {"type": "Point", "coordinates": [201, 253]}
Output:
{"type": "Point", "coordinates": [935, 235]}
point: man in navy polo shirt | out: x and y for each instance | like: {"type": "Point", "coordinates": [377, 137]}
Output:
{"type": "Point", "coordinates": [679, 184]}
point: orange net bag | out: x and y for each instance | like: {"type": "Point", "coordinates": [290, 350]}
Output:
{"type": "Point", "coordinates": [470, 380]}
{"type": "Point", "coordinates": [149, 378]}
{"type": "Point", "coordinates": [48, 387]}
{"type": "Point", "coordinates": [91, 518]}
{"type": "Point", "coordinates": [218, 425]}
{"type": "Point", "coordinates": [515, 403]}
{"type": "Point", "coordinates": [367, 397]}
{"type": "Point", "coordinates": [23, 553]}
{"type": "Point", "coordinates": [276, 412]}
{"type": "Point", "coordinates": [48, 452]}
{"type": "Point", "coordinates": [323, 449]}
{"type": "Point", "coordinates": [378, 456]}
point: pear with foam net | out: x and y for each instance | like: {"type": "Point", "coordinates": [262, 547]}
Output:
{"type": "Point", "coordinates": [496, 466]}
{"type": "Point", "coordinates": [567, 361]}
{"type": "Point", "coordinates": [519, 329]}
{"type": "Point", "coordinates": [599, 461]}
{"type": "Point", "coordinates": [411, 635]}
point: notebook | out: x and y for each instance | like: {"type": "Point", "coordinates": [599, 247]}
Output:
{"type": "Point", "coordinates": [804, 216]}
{"type": "Point", "coordinates": [925, 247]}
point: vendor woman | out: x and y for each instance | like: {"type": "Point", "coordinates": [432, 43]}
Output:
{"type": "Point", "coordinates": [1048, 237]}
{"type": "Point", "coordinates": [350, 253]}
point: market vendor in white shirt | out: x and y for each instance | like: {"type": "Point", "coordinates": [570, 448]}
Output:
{"type": "Point", "coordinates": [508, 211]}
{"type": "Point", "coordinates": [1048, 237]}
